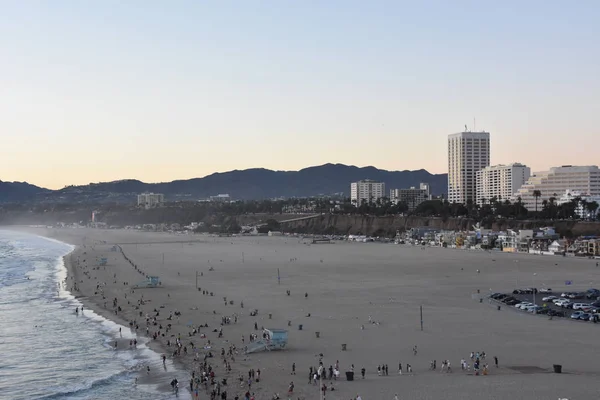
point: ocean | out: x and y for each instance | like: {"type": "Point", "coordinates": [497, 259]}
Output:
{"type": "Point", "coordinates": [50, 352]}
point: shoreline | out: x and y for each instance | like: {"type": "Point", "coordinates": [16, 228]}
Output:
{"type": "Point", "coordinates": [103, 314]}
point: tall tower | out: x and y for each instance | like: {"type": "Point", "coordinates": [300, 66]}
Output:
{"type": "Point", "coordinates": [468, 152]}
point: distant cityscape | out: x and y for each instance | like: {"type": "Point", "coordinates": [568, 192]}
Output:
{"type": "Point", "coordinates": [472, 181]}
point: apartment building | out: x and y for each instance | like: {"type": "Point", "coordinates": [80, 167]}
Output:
{"type": "Point", "coordinates": [558, 180]}
{"type": "Point", "coordinates": [412, 196]}
{"type": "Point", "coordinates": [468, 152]}
{"type": "Point", "coordinates": [149, 200]}
{"type": "Point", "coordinates": [500, 181]}
{"type": "Point", "coordinates": [366, 190]}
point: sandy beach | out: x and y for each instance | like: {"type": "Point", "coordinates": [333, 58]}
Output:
{"type": "Point", "coordinates": [344, 286]}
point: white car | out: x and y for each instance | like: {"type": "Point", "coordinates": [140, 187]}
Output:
{"type": "Point", "coordinates": [545, 290]}
{"type": "Point", "coordinates": [549, 298]}
{"type": "Point", "coordinates": [580, 306]}
{"type": "Point", "coordinates": [558, 302]}
{"type": "Point", "coordinates": [522, 306]}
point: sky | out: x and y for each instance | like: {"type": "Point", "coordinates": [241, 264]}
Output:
{"type": "Point", "coordinates": [96, 91]}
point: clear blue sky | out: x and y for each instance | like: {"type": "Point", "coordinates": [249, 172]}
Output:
{"type": "Point", "coordinates": [104, 90]}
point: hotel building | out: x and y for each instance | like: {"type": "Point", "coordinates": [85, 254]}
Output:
{"type": "Point", "coordinates": [500, 181]}
{"type": "Point", "coordinates": [558, 180]}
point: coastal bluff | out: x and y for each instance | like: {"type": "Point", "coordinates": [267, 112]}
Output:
{"type": "Point", "coordinates": [389, 225]}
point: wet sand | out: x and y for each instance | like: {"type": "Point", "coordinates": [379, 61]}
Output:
{"type": "Point", "coordinates": [346, 284]}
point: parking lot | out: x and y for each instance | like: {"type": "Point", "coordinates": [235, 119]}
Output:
{"type": "Point", "coordinates": [546, 306]}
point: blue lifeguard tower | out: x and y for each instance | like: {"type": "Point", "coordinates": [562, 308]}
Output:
{"type": "Point", "coordinates": [103, 261]}
{"type": "Point", "coordinates": [276, 339]}
{"type": "Point", "coordinates": [151, 282]}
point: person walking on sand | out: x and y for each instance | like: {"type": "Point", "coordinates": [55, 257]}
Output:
{"type": "Point", "coordinates": [362, 372]}
{"type": "Point", "coordinates": [399, 368]}
{"type": "Point", "coordinates": [293, 368]}
{"type": "Point", "coordinates": [396, 396]}
{"type": "Point", "coordinates": [496, 361]}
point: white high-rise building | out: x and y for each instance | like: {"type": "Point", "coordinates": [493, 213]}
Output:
{"type": "Point", "coordinates": [553, 183]}
{"type": "Point", "coordinates": [366, 190]}
{"type": "Point", "coordinates": [468, 152]}
{"type": "Point", "coordinates": [500, 181]}
{"type": "Point", "coordinates": [149, 200]}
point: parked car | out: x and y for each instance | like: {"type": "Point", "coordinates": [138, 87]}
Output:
{"type": "Point", "coordinates": [595, 317]}
{"type": "Point", "coordinates": [545, 290]}
{"type": "Point", "coordinates": [512, 302]}
{"type": "Point", "coordinates": [524, 305]}
{"type": "Point", "coordinates": [585, 316]}
{"type": "Point", "coordinates": [559, 301]}
{"type": "Point", "coordinates": [556, 313]}
{"type": "Point", "coordinates": [549, 298]}
{"type": "Point", "coordinates": [566, 304]}
{"type": "Point", "coordinates": [543, 310]}
{"type": "Point", "coordinates": [576, 295]}
{"type": "Point", "coordinates": [577, 314]}
{"type": "Point", "coordinates": [580, 306]}
{"type": "Point", "coordinates": [567, 294]}
{"type": "Point", "coordinates": [592, 293]}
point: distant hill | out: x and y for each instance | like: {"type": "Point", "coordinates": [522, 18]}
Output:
{"type": "Point", "coordinates": [248, 184]}
{"type": "Point", "coordinates": [19, 191]}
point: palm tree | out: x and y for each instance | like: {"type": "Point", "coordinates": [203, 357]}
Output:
{"type": "Point", "coordinates": [592, 207]}
{"type": "Point", "coordinates": [537, 194]}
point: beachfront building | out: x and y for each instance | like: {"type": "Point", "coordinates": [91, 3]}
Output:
{"type": "Point", "coordinates": [581, 210]}
{"type": "Point", "coordinates": [468, 152]}
{"type": "Point", "coordinates": [149, 200]}
{"type": "Point", "coordinates": [500, 181]}
{"type": "Point", "coordinates": [582, 179]}
{"type": "Point", "coordinates": [412, 197]}
{"type": "Point", "coordinates": [366, 190]}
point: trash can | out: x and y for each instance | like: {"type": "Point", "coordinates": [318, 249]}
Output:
{"type": "Point", "coordinates": [343, 346]}
{"type": "Point", "coordinates": [557, 368]}
{"type": "Point", "coordinates": [349, 375]}
{"type": "Point", "coordinates": [318, 334]}
{"type": "Point", "coordinates": [300, 327]}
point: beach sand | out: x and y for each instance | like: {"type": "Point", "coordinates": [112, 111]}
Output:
{"type": "Point", "coordinates": [348, 283]}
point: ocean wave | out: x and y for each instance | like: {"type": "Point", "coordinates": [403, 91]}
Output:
{"type": "Point", "coordinates": [93, 385]}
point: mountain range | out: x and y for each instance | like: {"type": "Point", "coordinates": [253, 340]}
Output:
{"type": "Point", "coordinates": [256, 183]}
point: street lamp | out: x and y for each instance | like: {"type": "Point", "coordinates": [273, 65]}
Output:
{"type": "Point", "coordinates": [533, 287]}
{"type": "Point", "coordinates": [516, 274]}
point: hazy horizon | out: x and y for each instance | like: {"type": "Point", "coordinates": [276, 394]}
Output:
{"type": "Point", "coordinates": [103, 91]}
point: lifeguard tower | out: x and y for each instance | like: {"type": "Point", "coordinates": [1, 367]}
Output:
{"type": "Point", "coordinates": [151, 282]}
{"type": "Point", "coordinates": [102, 261]}
{"type": "Point", "coordinates": [276, 339]}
